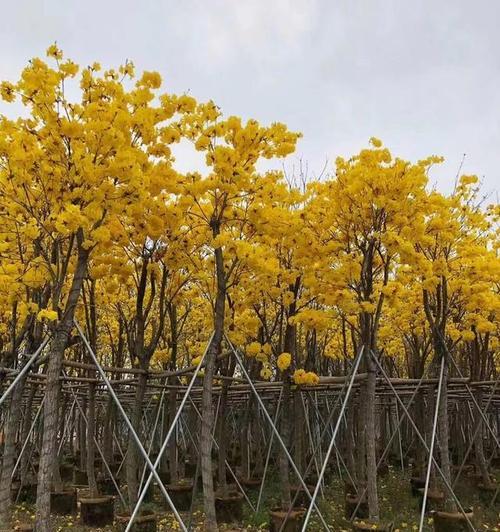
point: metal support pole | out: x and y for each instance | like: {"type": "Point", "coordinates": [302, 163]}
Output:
{"type": "Point", "coordinates": [268, 455]}
{"type": "Point", "coordinates": [24, 370]}
{"type": "Point", "coordinates": [479, 409]}
{"type": "Point", "coordinates": [27, 438]}
{"type": "Point", "coordinates": [334, 435]}
{"type": "Point", "coordinates": [131, 428]}
{"type": "Point", "coordinates": [67, 429]}
{"type": "Point", "coordinates": [423, 442]}
{"type": "Point", "coordinates": [155, 428]}
{"type": "Point", "coordinates": [311, 442]}
{"type": "Point", "coordinates": [327, 431]}
{"type": "Point", "coordinates": [99, 450]}
{"type": "Point", "coordinates": [166, 440]}
{"type": "Point", "coordinates": [399, 437]}
{"type": "Point", "coordinates": [275, 430]}
{"type": "Point", "coordinates": [240, 487]}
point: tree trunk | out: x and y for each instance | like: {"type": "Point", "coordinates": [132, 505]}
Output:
{"type": "Point", "coordinates": [299, 430]}
{"type": "Point", "coordinates": [133, 460]}
{"type": "Point", "coordinates": [108, 431]}
{"type": "Point", "coordinates": [172, 444]}
{"type": "Point", "coordinates": [90, 441]}
{"type": "Point", "coordinates": [82, 436]}
{"type": "Point", "coordinates": [222, 440]}
{"type": "Point", "coordinates": [431, 407]}
{"type": "Point", "coordinates": [444, 437]}
{"type": "Point", "coordinates": [478, 444]}
{"type": "Point", "coordinates": [350, 441]}
{"type": "Point", "coordinates": [206, 401]}
{"type": "Point", "coordinates": [361, 437]}
{"type": "Point", "coordinates": [50, 428]}
{"type": "Point", "coordinates": [370, 439]}
{"type": "Point", "coordinates": [27, 421]}
{"type": "Point", "coordinates": [420, 423]}
{"type": "Point", "coordinates": [50, 425]}
{"type": "Point", "coordinates": [259, 444]}
{"type": "Point", "coordinates": [57, 483]}
{"type": "Point", "coordinates": [9, 450]}
{"type": "Point", "coordinates": [283, 459]}
{"type": "Point", "coordinates": [206, 440]}
{"type": "Point", "coordinates": [245, 437]}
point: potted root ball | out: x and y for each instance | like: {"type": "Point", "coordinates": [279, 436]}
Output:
{"type": "Point", "coordinates": [383, 469]}
{"type": "Point", "coordinates": [286, 521]}
{"type": "Point", "coordinates": [181, 494]}
{"type": "Point", "coordinates": [417, 484]}
{"type": "Point", "coordinates": [106, 486]}
{"type": "Point", "coordinates": [67, 471]}
{"type": "Point", "coordinates": [354, 507]}
{"type": "Point", "coordinates": [229, 506]}
{"type": "Point", "coordinates": [98, 511]}
{"type": "Point", "coordinates": [63, 502]}
{"type": "Point", "coordinates": [452, 521]}
{"type": "Point", "coordinates": [80, 477]}
{"type": "Point", "coordinates": [190, 469]}
{"type": "Point", "coordinates": [359, 524]}
{"type": "Point", "coordinates": [486, 493]}
{"type": "Point", "coordinates": [24, 527]}
{"type": "Point", "coordinates": [147, 521]}
{"type": "Point", "coordinates": [435, 500]}
{"type": "Point", "coordinates": [251, 483]}
{"type": "Point", "coordinates": [300, 496]}
{"type": "Point", "coordinates": [349, 488]}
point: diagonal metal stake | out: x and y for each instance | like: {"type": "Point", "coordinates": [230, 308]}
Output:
{"type": "Point", "coordinates": [153, 434]}
{"type": "Point", "coordinates": [27, 438]}
{"type": "Point", "coordinates": [230, 469]}
{"type": "Point", "coordinates": [23, 371]}
{"type": "Point", "coordinates": [131, 428]}
{"type": "Point", "coordinates": [334, 435]}
{"type": "Point", "coordinates": [167, 438]}
{"type": "Point", "coordinates": [98, 447]}
{"type": "Point", "coordinates": [423, 442]}
{"type": "Point", "coordinates": [484, 418]}
{"type": "Point", "coordinates": [275, 430]}
{"type": "Point", "coordinates": [433, 440]}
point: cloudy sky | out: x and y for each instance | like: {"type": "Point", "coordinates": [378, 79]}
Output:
{"type": "Point", "coordinates": [424, 76]}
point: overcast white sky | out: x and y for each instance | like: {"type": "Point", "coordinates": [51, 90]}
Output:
{"type": "Point", "coordinates": [424, 76]}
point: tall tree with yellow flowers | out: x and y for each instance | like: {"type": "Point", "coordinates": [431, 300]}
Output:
{"type": "Point", "coordinates": [365, 216]}
{"type": "Point", "coordinates": [449, 249]}
{"type": "Point", "coordinates": [24, 279]}
{"type": "Point", "coordinates": [221, 201]}
{"type": "Point", "coordinates": [150, 254]}
{"type": "Point", "coordinates": [75, 167]}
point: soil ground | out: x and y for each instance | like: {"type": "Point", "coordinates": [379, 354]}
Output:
{"type": "Point", "coordinates": [396, 502]}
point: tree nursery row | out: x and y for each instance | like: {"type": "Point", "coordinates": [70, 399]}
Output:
{"type": "Point", "coordinates": [238, 344]}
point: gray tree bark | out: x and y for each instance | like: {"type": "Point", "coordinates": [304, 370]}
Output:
{"type": "Point", "coordinates": [51, 405]}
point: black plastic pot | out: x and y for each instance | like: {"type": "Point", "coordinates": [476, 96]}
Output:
{"type": "Point", "coordinates": [351, 502]}
{"type": "Point", "coordinates": [63, 502]}
{"type": "Point", "coordinates": [451, 522]}
{"type": "Point", "coordinates": [99, 511]}
{"type": "Point", "coordinates": [293, 521]}
{"type": "Point", "coordinates": [181, 495]}
{"type": "Point", "coordinates": [142, 523]}
{"type": "Point", "coordinates": [229, 508]}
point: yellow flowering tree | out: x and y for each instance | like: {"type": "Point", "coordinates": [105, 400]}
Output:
{"type": "Point", "coordinates": [221, 203]}
{"type": "Point", "coordinates": [365, 217]}
{"type": "Point", "coordinates": [75, 168]}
